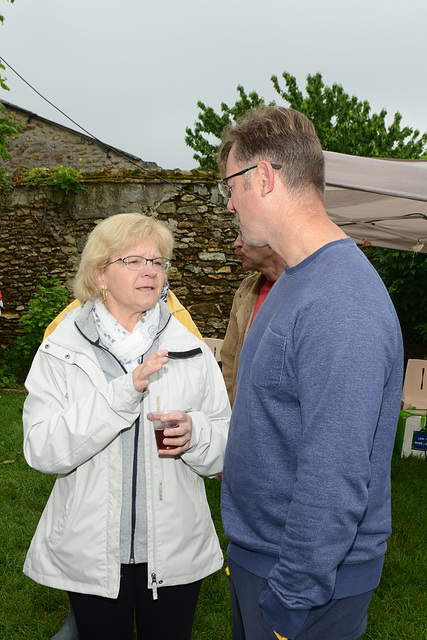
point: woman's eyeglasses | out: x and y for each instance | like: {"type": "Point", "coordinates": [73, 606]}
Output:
{"type": "Point", "coordinates": [138, 263]}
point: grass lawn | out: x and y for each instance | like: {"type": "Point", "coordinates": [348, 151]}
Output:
{"type": "Point", "coordinates": [29, 611]}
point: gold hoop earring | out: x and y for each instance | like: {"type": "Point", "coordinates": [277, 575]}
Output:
{"type": "Point", "coordinates": [104, 294]}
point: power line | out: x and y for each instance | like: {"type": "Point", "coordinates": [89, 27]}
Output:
{"type": "Point", "coordinates": [107, 146]}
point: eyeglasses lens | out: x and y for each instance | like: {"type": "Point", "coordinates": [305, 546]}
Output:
{"type": "Point", "coordinates": [225, 190]}
{"type": "Point", "coordinates": [137, 263]}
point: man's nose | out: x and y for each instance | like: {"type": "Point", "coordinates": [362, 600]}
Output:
{"type": "Point", "coordinates": [230, 205]}
{"type": "Point", "coordinates": [238, 243]}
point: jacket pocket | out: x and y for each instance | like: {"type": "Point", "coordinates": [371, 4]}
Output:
{"type": "Point", "coordinates": [194, 495]}
{"type": "Point", "coordinates": [60, 503]}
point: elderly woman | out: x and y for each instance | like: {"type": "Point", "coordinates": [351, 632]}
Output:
{"type": "Point", "coordinates": [127, 529]}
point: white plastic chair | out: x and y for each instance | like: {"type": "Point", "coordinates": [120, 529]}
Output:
{"type": "Point", "coordinates": [215, 345]}
{"type": "Point", "coordinates": [414, 392]}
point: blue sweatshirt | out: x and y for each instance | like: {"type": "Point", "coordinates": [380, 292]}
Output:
{"type": "Point", "coordinates": [306, 484]}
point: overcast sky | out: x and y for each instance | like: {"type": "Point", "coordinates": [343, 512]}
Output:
{"type": "Point", "coordinates": [131, 71]}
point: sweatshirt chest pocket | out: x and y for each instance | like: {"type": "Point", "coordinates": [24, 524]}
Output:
{"type": "Point", "coordinates": [269, 360]}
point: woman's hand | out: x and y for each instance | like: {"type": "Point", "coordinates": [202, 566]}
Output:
{"type": "Point", "coordinates": [179, 435]}
{"type": "Point", "coordinates": [154, 363]}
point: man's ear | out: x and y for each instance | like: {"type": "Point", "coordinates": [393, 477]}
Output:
{"type": "Point", "coordinates": [266, 176]}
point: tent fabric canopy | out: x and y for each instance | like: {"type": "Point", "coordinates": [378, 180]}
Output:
{"type": "Point", "coordinates": [378, 201]}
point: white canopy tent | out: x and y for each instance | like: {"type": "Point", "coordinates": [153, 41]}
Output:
{"type": "Point", "coordinates": [378, 201]}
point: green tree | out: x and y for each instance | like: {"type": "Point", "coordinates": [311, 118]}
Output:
{"type": "Point", "coordinates": [212, 124]}
{"type": "Point", "coordinates": [343, 122]}
{"type": "Point", "coordinates": [405, 276]}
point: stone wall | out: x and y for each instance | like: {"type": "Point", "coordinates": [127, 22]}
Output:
{"type": "Point", "coordinates": [43, 232]}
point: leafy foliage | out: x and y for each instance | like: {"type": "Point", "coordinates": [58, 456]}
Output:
{"type": "Point", "coordinates": [213, 124]}
{"type": "Point", "coordinates": [8, 379]}
{"type": "Point", "coordinates": [343, 122]}
{"type": "Point", "coordinates": [3, 84]}
{"type": "Point", "coordinates": [405, 276]}
{"type": "Point", "coordinates": [35, 177]}
{"type": "Point", "coordinates": [8, 127]}
{"type": "Point", "coordinates": [67, 179]}
{"type": "Point", "coordinates": [50, 297]}
{"type": "Point", "coordinates": [61, 178]}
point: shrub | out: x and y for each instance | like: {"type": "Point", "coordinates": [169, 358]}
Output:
{"type": "Point", "coordinates": [35, 177]}
{"type": "Point", "coordinates": [61, 178]}
{"type": "Point", "coordinates": [67, 179]}
{"type": "Point", "coordinates": [50, 297]}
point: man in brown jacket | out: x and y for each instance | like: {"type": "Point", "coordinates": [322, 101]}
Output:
{"type": "Point", "coordinates": [248, 299]}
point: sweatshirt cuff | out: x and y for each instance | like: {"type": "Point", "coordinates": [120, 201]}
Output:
{"type": "Point", "coordinates": [286, 622]}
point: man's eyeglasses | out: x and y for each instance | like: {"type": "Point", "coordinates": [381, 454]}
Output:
{"type": "Point", "coordinates": [138, 263]}
{"type": "Point", "coordinates": [227, 191]}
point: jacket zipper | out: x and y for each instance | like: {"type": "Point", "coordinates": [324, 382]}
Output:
{"type": "Point", "coordinates": [154, 585]}
{"type": "Point", "coordinates": [134, 485]}
{"type": "Point", "coordinates": [152, 560]}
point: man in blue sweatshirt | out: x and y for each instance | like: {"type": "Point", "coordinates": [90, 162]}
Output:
{"type": "Point", "coordinates": [306, 484]}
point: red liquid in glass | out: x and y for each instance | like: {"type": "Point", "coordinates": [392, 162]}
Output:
{"type": "Point", "coordinates": [159, 433]}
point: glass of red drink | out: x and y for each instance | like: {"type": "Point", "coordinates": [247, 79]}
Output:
{"type": "Point", "coordinates": [159, 427]}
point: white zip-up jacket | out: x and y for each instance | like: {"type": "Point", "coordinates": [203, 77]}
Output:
{"type": "Point", "coordinates": [73, 423]}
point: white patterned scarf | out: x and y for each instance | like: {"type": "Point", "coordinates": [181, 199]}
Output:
{"type": "Point", "coordinates": [126, 346]}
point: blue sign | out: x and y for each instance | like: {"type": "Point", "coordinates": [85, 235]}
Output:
{"type": "Point", "coordinates": [419, 441]}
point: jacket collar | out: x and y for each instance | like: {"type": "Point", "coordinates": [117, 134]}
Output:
{"type": "Point", "coordinates": [85, 322]}
{"type": "Point", "coordinates": [78, 330]}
